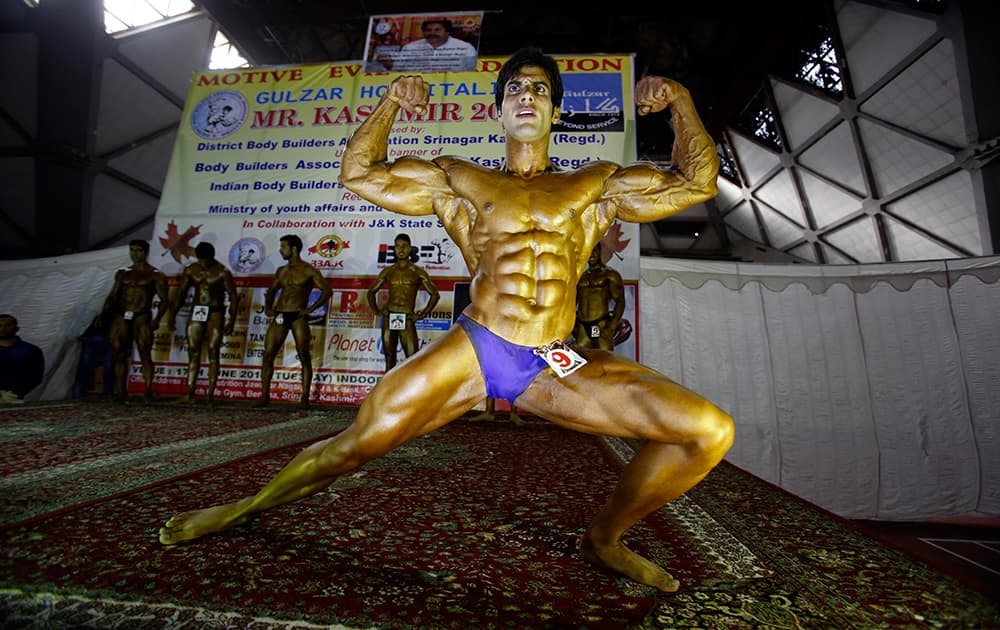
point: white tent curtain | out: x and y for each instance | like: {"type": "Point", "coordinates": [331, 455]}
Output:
{"type": "Point", "coordinates": [870, 390]}
{"type": "Point", "coordinates": [54, 300]}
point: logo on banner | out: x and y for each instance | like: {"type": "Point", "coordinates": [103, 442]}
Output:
{"type": "Point", "coordinates": [592, 102]}
{"type": "Point", "coordinates": [329, 246]}
{"type": "Point", "coordinates": [439, 252]}
{"type": "Point", "coordinates": [246, 255]}
{"type": "Point", "coordinates": [219, 114]}
{"type": "Point", "coordinates": [387, 254]}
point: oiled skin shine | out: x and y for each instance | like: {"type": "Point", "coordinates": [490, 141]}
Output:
{"type": "Point", "coordinates": [404, 280]}
{"type": "Point", "coordinates": [134, 290]}
{"type": "Point", "coordinates": [526, 263]}
{"type": "Point", "coordinates": [526, 235]}
{"type": "Point", "coordinates": [598, 286]}
{"type": "Point", "coordinates": [289, 292]}
{"type": "Point", "coordinates": [212, 283]}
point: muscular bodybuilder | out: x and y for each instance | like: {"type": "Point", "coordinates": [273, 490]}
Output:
{"type": "Point", "coordinates": [526, 232]}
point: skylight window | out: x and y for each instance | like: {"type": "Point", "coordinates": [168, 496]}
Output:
{"type": "Point", "coordinates": [821, 68]}
{"type": "Point", "coordinates": [757, 120]}
{"type": "Point", "coordinates": [122, 15]}
{"type": "Point", "coordinates": [727, 164]}
{"type": "Point", "coordinates": [225, 55]}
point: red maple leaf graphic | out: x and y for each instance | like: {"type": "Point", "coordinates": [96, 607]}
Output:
{"type": "Point", "coordinates": [179, 244]}
{"type": "Point", "coordinates": [612, 243]}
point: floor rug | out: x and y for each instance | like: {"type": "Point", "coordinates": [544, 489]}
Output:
{"type": "Point", "coordinates": [55, 456]}
{"type": "Point", "coordinates": [473, 526]}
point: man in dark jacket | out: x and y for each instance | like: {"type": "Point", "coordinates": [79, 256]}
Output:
{"type": "Point", "coordinates": [22, 364]}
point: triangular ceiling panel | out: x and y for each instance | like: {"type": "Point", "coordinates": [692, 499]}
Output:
{"type": "Point", "coordinates": [780, 231]}
{"type": "Point", "coordinates": [946, 208]}
{"type": "Point", "coordinates": [779, 193]}
{"type": "Point", "coordinates": [729, 194]}
{"type": "Point", "coordinates": [925, 98]}
{"type": "Point", "coordinates": [148, 162]}
{"type": "Point", "coordinates": [835, 157]}
{"type": "Point", "coordinates": [909, 244]}
{"type": "Point", "coordinates": [897, 160]}
{"type": "Point", "coordinates": [802, 114]}
{"type": "Point", "coordinates": [169, 52]}
{"type": "Point", "coordinates": [829, 204]}
{"type": "Point", "coordinates": [876, 39]}
{"type": "Point", "coordinates": [123, 120]}
{"type": "Point", "coordinates": [834, 257]}
{"type": "Point", "coordinates": [805, 251]}
{"type": "Point", "coordinates": [117, 206]}
{"type": "Point", "coordinates": [858, 240]}
{"type": "Point", "coordinates": [743, 219]}
{"type": "Point", "coordinates": [757, 162]}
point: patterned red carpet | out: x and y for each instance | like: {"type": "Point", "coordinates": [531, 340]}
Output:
{"type": "Point", "coordinates": [474, 526]}
{"type": "Point", "coordinates": [57, 455]}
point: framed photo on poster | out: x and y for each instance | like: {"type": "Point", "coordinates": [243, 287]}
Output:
{"type": "Point", "coordinates": [423, 42]}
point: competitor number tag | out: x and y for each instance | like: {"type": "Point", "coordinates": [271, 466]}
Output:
{"type": "Point", "coordinates": [561, 358]}
{"type": "Point", "coordinates": [128, 315]}
{"type": "Point", "coordinates": [397, 321]}
{"type": "Point", "coordinates": [200, 313]}
{"type": "Point", "coordinates": [279, 319]}
{"type": "Point", "coordinates": [595, 331]}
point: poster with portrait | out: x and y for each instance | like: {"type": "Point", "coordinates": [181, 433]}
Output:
{"type": "Point", "coordinates": [423, 42]}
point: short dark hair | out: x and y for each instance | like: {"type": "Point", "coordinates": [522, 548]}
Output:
{"type": "Point", "coordinates": [442, 21]}
{"type": "Point", "coordinates": [204, 251]}
{"type": "Point", "coordinates": [8, 316]}
{"type": "Point", "coordinates": [293, 241]}
{"type": "Point", "coordinates": [138, 242]}
{"type": "Point", "coordinates": [529, 57]}
{"type": "Point", "coordinates": [402, 237]}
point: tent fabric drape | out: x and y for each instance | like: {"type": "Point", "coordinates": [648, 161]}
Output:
{"type": "Point", "coordinates": [870, 390]}
{"type": "Point", "coordinates": [54, 301]}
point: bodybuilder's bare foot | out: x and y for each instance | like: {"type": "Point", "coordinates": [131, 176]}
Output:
{"type": "Point", "coordinates": [516, 419]}
{"type": "Point", "coordinates": [482, 416]}
{"type": "Point", "coordinates": [262, 403]}
{"type": "Point", "coordinates": [191, 525]}
{"type": "Point", "coordinates": [628, 563]}
{"type": "Point", "coordinates": [184, 400]}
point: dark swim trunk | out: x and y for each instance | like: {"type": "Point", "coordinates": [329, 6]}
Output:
{"type": "Point", "coordinates": [589, 327]}
{"type": "Point", "coordinates": [288, 317]}
{"type": "Point", "coordinates": [130, 322]}
{"type": "Point", "coordinates": [507, 368]}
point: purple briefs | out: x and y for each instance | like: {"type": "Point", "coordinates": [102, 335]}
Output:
{"type": "Point", "coordinates": [507, 368]}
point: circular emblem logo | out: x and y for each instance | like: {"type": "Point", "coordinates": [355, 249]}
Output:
{"type": "Point", "coordinates": [329, 246]}
{"type": "Point", "coordinates": [246, 255]}
{"type": "Point", "coordinates": [219, 114]}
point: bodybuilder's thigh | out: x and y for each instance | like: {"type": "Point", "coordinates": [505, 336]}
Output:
{"type": "Point", "coordinates": [614, 395]}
